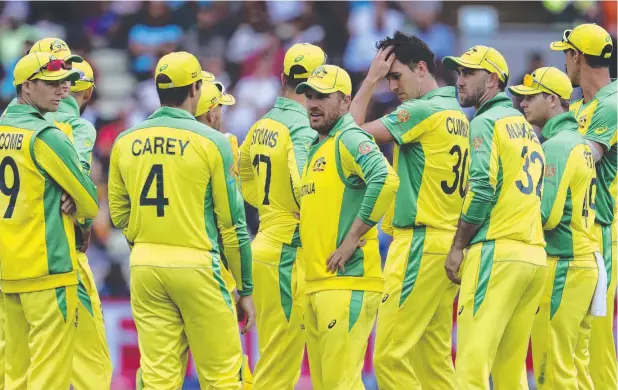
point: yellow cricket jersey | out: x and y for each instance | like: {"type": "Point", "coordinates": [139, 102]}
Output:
{"type": "Point", "coordinates": [569, 190]}
{"type": "Point", "coordinates": [172, 188]}
{"type": "Point", "coordinates": [37, 164]}
{"type": "Point", "coordinates": [506, 175]}
{"type": "Point", "coordinates": [431, 158]}
{"type": "Point", "coordinates": [346, 177]}
{"type": "Point", "coordinates": [597, 120]}
{"type": "Point", "coordinates": [272, 158]}
{"type": "Point", "coordinates": [235, 152]}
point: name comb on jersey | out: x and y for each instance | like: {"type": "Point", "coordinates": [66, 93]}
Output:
{"type": "Point", "coordinates": [11, 141]}
{"type": "Point", "coordinates": [159, 145]}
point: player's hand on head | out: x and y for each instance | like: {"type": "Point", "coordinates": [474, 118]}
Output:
{"type": "Point", "coordinates": [67, 205]}
{"type": "Point", "coordinates": [247, 306]}
{"type": "Point", "coordinates": [381, 64]}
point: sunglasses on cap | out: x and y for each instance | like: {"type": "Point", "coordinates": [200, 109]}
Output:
{"type": "Point", "coordinates": [565, 39]}
{"type": "Point", "coordinates": [529, 81]}
{"type": "Point", "coordinates": [52, 66]}
{"type": "Point", "coordinates": [506, 76]}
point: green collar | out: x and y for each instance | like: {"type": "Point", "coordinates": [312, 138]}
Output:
{"type": "Point", "coordinates": [342, 123]}
{"type": "Point", "coordinates": [565, 121]}
{"type": "Point", "coordinates": [289, 104]}
{"type": "Point", "coordinates": [500, 100]}
{"type": "Point", "coordinates": [22, 109]}
{"type": "Point", "coordinates": [69, 105]}
{"type": "Point", "coordinates": [607, 90]}
{"type": "Point", "coordinates": [171, 112]}
{"type": "Point", "coordinates": [443, 91]}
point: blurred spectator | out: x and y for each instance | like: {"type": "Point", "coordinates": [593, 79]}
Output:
{"type": "Point", "coordinates": [208, 37]}
{"type": "Point", "coordinates": [425, 25]}
{"type": "Point", "coordinates": [152, 37]}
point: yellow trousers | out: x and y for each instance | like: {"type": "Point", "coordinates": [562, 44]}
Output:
{"type": "Point", "coordinates": [178, 308]}
{"type": "Point", "coordinates": [561, 331]}
{"type": "Point", "coordinates": [603, 364]}
{"type": "Point", "coordinates": [2, 342]}
{"type": "Point", "coordinates": [92, 365]}
{"type": "Point", "coordinates": [40, 338]}
{"type": "Point", "coordinates": [415, 319]}
{"type": "Point", "coordinates": [278, 292]}
{"type": "Point", "coordinates": [338, 326]}
{"type": "Point", "coordinates": [497, 304]}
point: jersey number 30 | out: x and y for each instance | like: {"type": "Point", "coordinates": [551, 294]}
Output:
{"type": "Point", "coordinates": [156, 172]}
{"type": "Point", "coordinates": [13, 190]}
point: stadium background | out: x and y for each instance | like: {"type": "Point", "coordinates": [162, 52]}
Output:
{"type": "Point", "coordinates": [243, 44]}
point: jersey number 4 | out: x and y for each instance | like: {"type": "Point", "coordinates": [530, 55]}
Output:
{"type": "Point", "coordinates": [13, 190]}
{"type": "Point", "coordinates": [156, 172]}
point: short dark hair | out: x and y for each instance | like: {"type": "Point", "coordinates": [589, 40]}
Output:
{"type": "Point", "coordinates": [289, 81]}
{"type": "Point", "coordinates": [409, 50]}
{"type": "Point", "coordinates": [18, 90]}
{"type": "Point", "coordinates": [172, 96]}
{"type": "Point", "coordinates": [501, 84]}
{"type": "Point", "coordinates": [564, 103]}
{"type": "Point", "coordinates": [596, 61]}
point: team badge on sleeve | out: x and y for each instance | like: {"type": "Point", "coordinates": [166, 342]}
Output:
{"type": "Point", "coordinates": [403, 116]}
{"type": "Point", "coordinates": [550, 170]}
{"type": "Point", "coordinates": [477, 142]}
{"type": "Point", "coordinates": [364, 148]}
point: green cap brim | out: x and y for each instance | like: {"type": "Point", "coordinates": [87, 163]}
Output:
{"type": "Point", "coordinates": [451, 63]}
{"type": "Point", "coordinates": [73, 58]}
{"type": "Point", "coordinates": [65, 75]}
{"type": "Point", "coordinates": [560, 46]}
{"type": "Point", "coordinates": [323, 89]}
{"type": "Point", "coordinates": [522, 90]}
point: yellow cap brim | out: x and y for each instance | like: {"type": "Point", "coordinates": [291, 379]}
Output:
{"type": "Point", "coordinates": [316, 86]}
{"type": "Point", "coordinates": [82, 86]}
{"type": "Point", "coordinates": [522, 90]}
{"type": "Point", "coordinates": [207, 76]}
{"type": "Point", "coordinates": [65, 75]}
{"type": "Point", "coordinates": [560, 46]}
{"type": "Point", "coordinates": [227, 100]}
{"type": "Point", "coordinates": [451, 63]}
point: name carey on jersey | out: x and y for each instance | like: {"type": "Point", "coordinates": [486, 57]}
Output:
{"type": "Point", "coordinates": [265, 137]}
{"type": "Point", "coordinates": [159, 145]}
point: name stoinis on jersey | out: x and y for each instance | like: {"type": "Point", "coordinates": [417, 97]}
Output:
{"type": "Point", "coordinates": [521, 130]}
{"type": "Point", "coordinates": [159, 145]}
{"type": "Point", "coordinates": [457, 126]}
{"type": "Point", "coordinates": [265, 137]}
{"type": "Point", "coordinates": [11, 141]}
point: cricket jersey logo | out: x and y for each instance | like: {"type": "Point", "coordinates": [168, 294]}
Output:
{"type": "Point", "coordinates": [319, 73]}
{"type": "Point", "coordinates": [299, 58]}
{"type": "Point", "coordinates": [403, 116]}
{"type": "Point", "coordinates": [57, 45]}
{"type": "Point", "coordinates": [163, 67]}
{"type": "Point", "coordinates": [332, 324]}
{"type": "Point", "coordinates": [550, 170]}
{"type": "Point", "coordinates": [582, 121]}
{"type": "Point", "coordinates": [600, 130]}
{"type": "Point", "coordinates": [477, 142]}
{"type": "Point", "coordinates": [319, 164]}
{"type": "Point", "coordinates": [364, 148]}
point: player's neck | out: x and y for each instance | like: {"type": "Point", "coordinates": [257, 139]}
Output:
{"type": "Point", "coordinates": [30, 102]}
{"type": "Point", "coordinates": [489, 94]}
{"type": "Point", "coordinates": [292, 95]}
{"type": "Point", "coordinates": [592, 80]}
{"type": "Point", "coordinates": [184, 106]}
{"type": "Point", "coordinates": [427, 86]}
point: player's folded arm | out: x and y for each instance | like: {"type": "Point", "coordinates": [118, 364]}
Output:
{"type": "Point", "coordinates": [361, 156]}
{"type": "Point", "coordinates": [404, 125]}
{"type": "Point", "coordinates": [55, 154]}
{"type": "Point", "coordinates": [602, 129]}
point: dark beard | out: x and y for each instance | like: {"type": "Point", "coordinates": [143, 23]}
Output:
{"type": "Point", "coordinates": [327, 126]}
{"type": "Point", "coordinates": [471, 101]}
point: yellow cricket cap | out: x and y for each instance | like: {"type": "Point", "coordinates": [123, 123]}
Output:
{"type": "Point", "coordinates": [86, 77]}
{"type": "Point", "coordinates": [42, 66]}
{"type": "Point", "coordinates": [327, 79]}
{"type": "Point", "coordinates": [590, 39]}
{"type": "Point", "coordinates": [480, 57]}
{"type": "Point", "coordinates": [181, 67]}
{"type": "Point", "coordinates": [306, 55]}
{"type": "Point", "coordinates": [213, 94]}
{"type": "Point", "coordinates": [57, 47]}
{"type": "Point", "coordinates": [548, 79]}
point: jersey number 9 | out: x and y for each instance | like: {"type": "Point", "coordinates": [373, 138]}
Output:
{"type": "Point", "coordinates": [13, 190]}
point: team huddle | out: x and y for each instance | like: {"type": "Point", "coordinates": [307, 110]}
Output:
{"type": "Point", "coordinates": [520, 224]}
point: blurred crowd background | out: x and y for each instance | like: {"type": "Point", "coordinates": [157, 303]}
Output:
{"type": "Point", "coordinates": [243, 44]}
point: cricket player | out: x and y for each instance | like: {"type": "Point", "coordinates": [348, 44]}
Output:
{"type": "Point", "coordinates": [92, 365]}
{"type": "Point", "coordinates": [38, 258]}
{"type": "Point", "coordinates": [588, 49]}
{"type": "Point", "coordinates": [562, 323]}
{"type": "Point", "coordinates": [500, 225]}
{"type": "Point", "coordinates": [347, 186]}
{"type": "Point", "coordinates": [172, 189]}
{"type": "Point", "coordinates": [430, 131]}
{"type": "Point", "coordinates": [272, 158]}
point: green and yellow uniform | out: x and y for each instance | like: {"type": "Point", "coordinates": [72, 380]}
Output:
{"type": "Point", "coordinates": [561, 329]}
{"type": "Point", "coordinates": [173, 191]}
{"type": "Point", "coordinates": [39, 164]}
{"type": "Point", "coordinates": [271, 161]}
{"type": "Point", "coordinates": [272, 158]}
{"type": "Point", "coordinates": [346, 177]}
{"type": "Point", "coordinates": [597, 122]}
{"type": "Point", "coordinates": [505, 265]}
{"type": "Point", "coordinates": [431, 156]}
